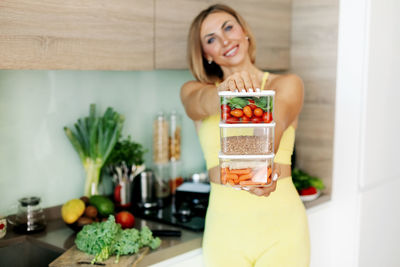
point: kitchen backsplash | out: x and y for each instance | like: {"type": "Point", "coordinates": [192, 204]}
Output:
{"type": "Point", "coordinates": [36, 157]}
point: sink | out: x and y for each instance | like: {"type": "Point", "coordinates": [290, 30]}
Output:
{"type": "Point", "coordinates": [25, 251]}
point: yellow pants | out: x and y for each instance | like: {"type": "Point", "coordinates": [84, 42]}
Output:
{"type": "Point", "coordinates": [243, 229]}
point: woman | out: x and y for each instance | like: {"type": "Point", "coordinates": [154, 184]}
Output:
{"type": "Point", "coordinates": [268, 226]}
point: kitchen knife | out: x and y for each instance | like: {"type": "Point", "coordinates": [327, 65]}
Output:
{"type": "Point", "coordinates": [174, 233]}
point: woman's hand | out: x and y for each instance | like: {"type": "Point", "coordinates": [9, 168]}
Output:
{"type": "Point", "coordinates": [266, 191]}
{"type": "Point", "coordinates": [241, 82]}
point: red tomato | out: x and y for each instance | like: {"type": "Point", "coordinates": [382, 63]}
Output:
{"type": "Point", "coordinates": [267, 117]}
{"type": "Point", "coordinates": [308, 191]}
{"type": "Point", "coordinates": [247, 111]}
{"type": "Point", "coordinates": [232, 120]}
{"type": "Point", "coordinates": [237, 113]}
{"type": "Point", "coordinates": [256, 120]}
{"type": "Point", "coordinates": [252, 105]}
{"type": "Point", "coordinates": [258, 112]}
{"type": "Point", "coordinates": [245, 119]}
{"type": "Point", "coordinates": [226, 108]}
{"type": "Point", "coordinates": [125, 219]}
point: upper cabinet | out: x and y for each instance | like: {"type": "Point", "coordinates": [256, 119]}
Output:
{"type": "Point", "coordinates": [126, 34]}
{"type": "Point", "coordinates": [270, 21]}
{"type": "Point", "coordinates": [76, 34]}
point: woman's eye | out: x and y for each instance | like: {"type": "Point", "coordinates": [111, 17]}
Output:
{"type": "Point", "coordinates": [211, 40]}
{"type": "Point", "coordinates": [228, 28]}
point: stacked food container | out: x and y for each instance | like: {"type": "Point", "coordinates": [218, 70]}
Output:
{"type": "Point", "coordinates": [247, 138]}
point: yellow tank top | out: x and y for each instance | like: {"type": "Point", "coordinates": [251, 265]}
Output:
{"type": "Point", "coordinates": [209, 136]}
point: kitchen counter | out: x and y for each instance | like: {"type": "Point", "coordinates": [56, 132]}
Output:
{"type": "Point", "coordinates": [60, 237]}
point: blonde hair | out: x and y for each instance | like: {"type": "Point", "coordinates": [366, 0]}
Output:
{"type": "Point", "coordinates": [198, 65]}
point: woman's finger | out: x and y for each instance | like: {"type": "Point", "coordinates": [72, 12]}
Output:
{"type": "Point", "coordinates": [264, 191]}
{"type": "Point", "coordinates": [248, 85]}
{"type": "Point", "coordinates": [276, 172]}
{"type": "Point", "coordinates": [239, 83]}
{"type": "Point", "coordinates": [255, 82]}
{"type": "Point", "coordinates": [232, 85]}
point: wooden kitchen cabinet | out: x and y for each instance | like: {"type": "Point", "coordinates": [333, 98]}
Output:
{"type": "Point", "coordinates": [270, 21]}
{"type": "Point", "coordinates": [75, 34]}
{"type": "Point", "coordinates": [126, 34]}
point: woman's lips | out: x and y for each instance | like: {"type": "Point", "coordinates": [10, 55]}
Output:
{"type": "Point", "coordinates": [231, 52]}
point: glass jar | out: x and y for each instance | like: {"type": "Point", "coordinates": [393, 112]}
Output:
{"type": "Point", "coordinates": [160, 139]}
{"type": "Point", "coordinates": [30, 217]}
{"type": "Point", "coordinates": [175, 132]}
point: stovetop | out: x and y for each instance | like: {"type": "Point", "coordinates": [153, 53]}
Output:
{"type": "Point", "coordinates": [169, 215]}
{"type": "Point", "coordinates": [185, 209]}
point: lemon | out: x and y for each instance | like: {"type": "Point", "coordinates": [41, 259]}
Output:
{"type": "Point", "coordinates": [72, 210]}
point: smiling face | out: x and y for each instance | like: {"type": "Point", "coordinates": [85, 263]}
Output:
{"type": "Point", "coordinates": [223, 40]}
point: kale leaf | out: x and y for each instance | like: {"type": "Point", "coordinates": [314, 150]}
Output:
{"type": "Point", "coordinates": [107, 238]}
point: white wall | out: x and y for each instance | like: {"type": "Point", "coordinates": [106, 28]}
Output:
{"type": "Point", "coordinates": [379, 167]}
{"type": "Point", "coordinates": [360, 226]}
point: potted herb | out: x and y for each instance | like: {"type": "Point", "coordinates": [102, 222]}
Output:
{"type": "Point", "coordinates": [94, 138]}
{"type": "Point", "coordinates": [127, 151]}
{"type": "Point", "coordinates": [125, 162]}
{"type": "Point", "coordinates": [309, 187]}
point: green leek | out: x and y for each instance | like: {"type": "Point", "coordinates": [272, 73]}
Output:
{"type": "Point", "coordinates": [94, 138]}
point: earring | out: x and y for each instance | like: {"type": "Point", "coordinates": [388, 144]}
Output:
{"type": "Point", "coordinates": [247, 37]}
{"type": "Point", "coordinates": [209, 61]}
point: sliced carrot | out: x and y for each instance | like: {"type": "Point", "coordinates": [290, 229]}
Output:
{"type": "Point", "coordinates": [244, 177]}
{"type": "Point", "coordinates": [241, 171]}
{"type": "Point", "coordinates": [245, 183]}
{"type": "Point", "coordinates": [232, 176]}
{"type": "Point", "coordinates": [231, 182]}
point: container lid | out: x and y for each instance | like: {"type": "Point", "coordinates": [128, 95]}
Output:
{"type": "Point", "coordinates": [247, 125]}
{"type": "Point", "coordinates": [223, 156]}
{"type": "Point", "coordinates": [29, 201]}
{"type": "Point", "coordinates": [245, 94]}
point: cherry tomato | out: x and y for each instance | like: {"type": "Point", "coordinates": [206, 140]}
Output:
{"type": "Point", "coordinates": [225, 115]}
{"type": "Point", "coordinates": [256, 120]}
{"type": "Point", "coordinates": [252, 105]}
{"type": "Point", "coordinates": [226, 108]}
{"type": "Point", "coordinates": [245, 119]}
{"type": "Point", "coordinates": [267, 117]}
{"type": "Point", "coordinates": [232, 120]}
{"type": "Point", "coordinates": [258, 112]}
{"type": "Point", "coordinates": [237, 113]}
{"type": "Point", "coordinates": [247, 111]}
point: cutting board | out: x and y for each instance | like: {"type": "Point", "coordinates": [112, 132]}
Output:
{"type": "Point", "coordinates": [76, 258]}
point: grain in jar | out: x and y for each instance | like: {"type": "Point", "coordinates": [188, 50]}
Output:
{"type": "Point", "coordinates": [175, 130]}
{"type": "Point", "coordinates": [160, 139]}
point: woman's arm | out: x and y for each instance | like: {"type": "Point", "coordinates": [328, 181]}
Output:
{"type": "Point", "coordinates": [288, 102]}
{"type": "Point", "coordinates": [200, 100]}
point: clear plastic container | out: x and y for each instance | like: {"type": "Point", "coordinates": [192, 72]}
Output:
{"type": "Point", "coordinates": [255, 107]}
{"type": "Point", "coordinates": [246, 171]}
{"type": "Point", "coordinates": [247, 139]}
